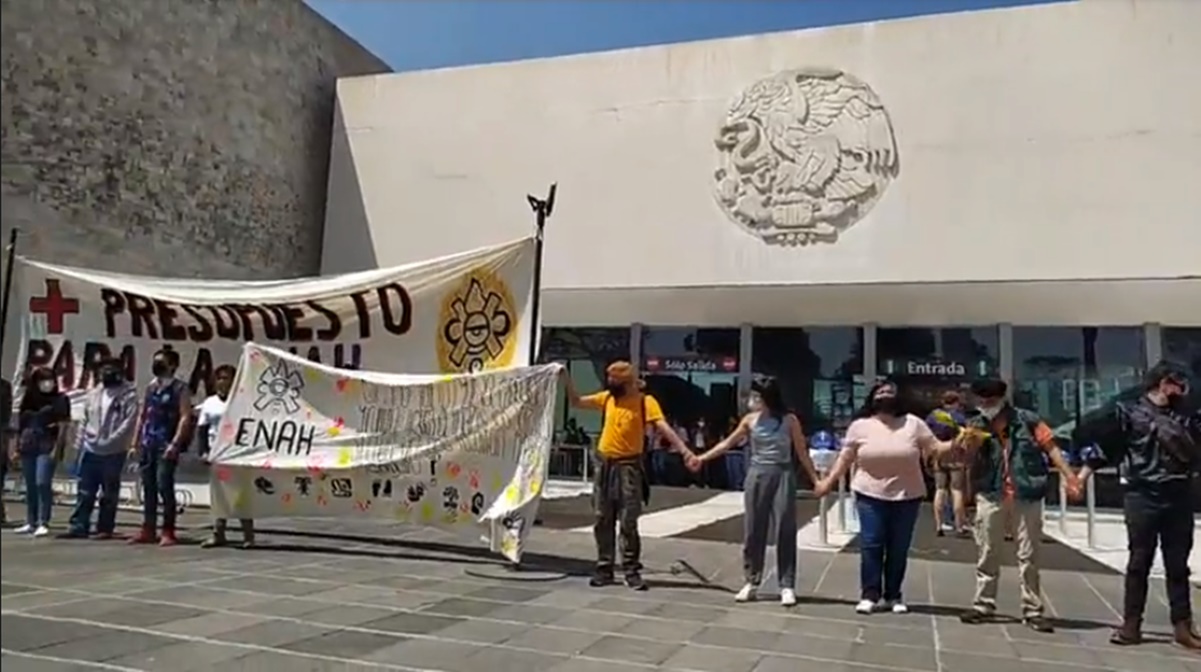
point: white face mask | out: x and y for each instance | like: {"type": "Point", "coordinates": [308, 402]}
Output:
{"type": "Point", "coordinates": [991, 412]}
{"type": "Point", "coordinates": [46, 386]}
{"type": "Point", "coordinates": [754, 404]}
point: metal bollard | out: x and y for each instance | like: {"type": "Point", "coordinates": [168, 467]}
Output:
{"type": "Point", "coordinates": [1090, 496]}
{"type": "Point", "coordinates": [823, 520]}
{"type": "Point", "coordinates": [842, 506]}
{"type": "Point", "coordinates": [1063, 507]}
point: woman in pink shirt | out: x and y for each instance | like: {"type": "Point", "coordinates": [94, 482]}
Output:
{"type": "Point", "coordinates": [887, 446]}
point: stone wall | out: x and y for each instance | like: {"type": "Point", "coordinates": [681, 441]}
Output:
{"type": "Point", "coordinates": [181, 137]}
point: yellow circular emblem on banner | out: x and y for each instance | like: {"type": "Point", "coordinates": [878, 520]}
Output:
{"type": "Point", "coordinates": [477, 325]}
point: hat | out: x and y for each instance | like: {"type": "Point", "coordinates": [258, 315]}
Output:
{"type": "Point", "coordinates": [623, 372]}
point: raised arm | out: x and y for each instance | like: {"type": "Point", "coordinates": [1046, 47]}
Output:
{"type": "Point", "coordinates": [594, 402]}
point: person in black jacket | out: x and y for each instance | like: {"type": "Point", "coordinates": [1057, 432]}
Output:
{"type": "Point", "coordinates": [1157, 445]}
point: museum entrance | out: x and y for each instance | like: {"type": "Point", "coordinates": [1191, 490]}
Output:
{"type": "Point", "coordinates": [699, 396]}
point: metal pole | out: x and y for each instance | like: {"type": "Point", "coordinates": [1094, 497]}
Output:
{"type": "Point", "coordinates": [823, 519]}
{"type": "Point", "coordinates": [1063, 507]}
{"type": "Point", "coordinates": [9, 264]}
{"type": "Point", "coordinates": [542, 211]}
{"type": "Point", "coordinates": [842, 505]}
{"type": "Point", "coordinates": [1090, 494]}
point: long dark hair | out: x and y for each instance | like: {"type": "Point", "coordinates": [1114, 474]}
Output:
{"type": "Point", "coordinates": [868, 409]}
{"type": "Point", "coordinates": [768, 389]}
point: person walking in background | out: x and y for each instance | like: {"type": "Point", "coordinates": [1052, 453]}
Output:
{"type": "Point", "coordinates": [620, 488]}
{"type": "Point", "coordinates": [42, 425]}
{"type": "Point", "coordinates": [208, 422]}
{"type": "Point", "coordinates": [950, 475]}
{"type": "Point", "coordinates": [6, 412]}
{"type": "Point", "coordinates": [110, 412]}
{"type": "Point", "coordinates": [1156, 443]}
{"type": "Point", "coordinates": [776, 446]}
{"type": "Point", "coordinates": [887, 447]}
{"type": "Point", "coordinates": [165, 421]}
{"type": "Point", "coordinates": [1010, 470]}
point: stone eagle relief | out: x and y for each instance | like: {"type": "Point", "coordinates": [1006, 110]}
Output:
{"type": "Point", "coordinates": [803, 155]}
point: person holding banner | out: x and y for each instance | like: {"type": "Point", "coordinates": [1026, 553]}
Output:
{"type": "Point", "coordinates": [110, 412]}
{"type": "Point", "coordinates": [208, 421]}
{"type": "Point", "coordinates": [620, 487]}
{"type": "Point", "coordinates": [776, 446]}
{"type": "Point", "coordinates": [42, 421]}
{"type": "Point", "coordinates": [1156, 443]}
{"type": "Point", "coordinates": [163, 429]}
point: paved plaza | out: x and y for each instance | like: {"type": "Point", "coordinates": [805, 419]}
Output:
{"type": "Point", "coordinates": [324, 595]}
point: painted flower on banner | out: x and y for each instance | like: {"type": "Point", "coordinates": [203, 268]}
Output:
{"type": "Point", "coordinates": [286, 498]}
{"type": "Point", "coordinates": [427, 512]}
{"type": "Point", "coordinates": [223, 474]}
{"type": "Point", "coordinates": [453, 470]}
{"type": "Point", "coordinates": [336, 428]}
{"type": "Point", "coordinates": [345, 457]}
{"type": "Point", "coordinates": [344, 385]}
{"type": "Point", "coordinates": [279, 388]}
{"type": "Point", "coordinates": [473, 479]}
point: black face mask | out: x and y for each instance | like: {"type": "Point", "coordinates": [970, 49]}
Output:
{"type": "Point", "coordinates": [886, 405]}
{"type": "Point", "coordinates": [111, 378]}
{"type": "Point", "coordinates": [160, 368]}
{"type": "Point", "coordinates": [616, 389]}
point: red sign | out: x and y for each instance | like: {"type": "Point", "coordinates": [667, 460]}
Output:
{"type": "Point", "coordinates": [693, 364]}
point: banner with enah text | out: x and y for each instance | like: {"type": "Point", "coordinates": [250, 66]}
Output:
{"type": "Point", "coordinates": [462, 452]}
{"type": "Point", "coordinates": [465, 312]}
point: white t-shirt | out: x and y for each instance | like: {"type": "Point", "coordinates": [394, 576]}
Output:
{"type": "Point", "coordinates": [211, 410]}
{"type": "Point", "coordinates": [107, 396]}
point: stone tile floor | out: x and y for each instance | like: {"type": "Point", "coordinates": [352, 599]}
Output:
{"type": "Point", "coordinates": [371, 598]}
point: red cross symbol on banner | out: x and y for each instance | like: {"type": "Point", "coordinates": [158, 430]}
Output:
{"type": "Point", "coordinates": [54, 306]}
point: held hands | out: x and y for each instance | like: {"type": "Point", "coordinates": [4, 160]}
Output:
{"type": "Point", "coordinates": [693, 462]}
{"type": "Point", "coordinates": [1073, 488]}
{"type": "Point", "coordinates": [822, 487]}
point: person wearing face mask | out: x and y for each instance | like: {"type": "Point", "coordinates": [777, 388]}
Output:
{"type": "Point", "coordinates": [620, 487]}
{"type": "Point", "coordinates": [777, 445]}
{"type": "Point", "coordinates": [110, 412]}
{"type": "Point", "coordinates": [1156, 442]}
{"type": "Point", "coordinates": [887, 447]}
{"type": "Point", "coordinates": [42, 422]}
{"type": "Point", "coordinates": [1010, 473]}
{"type": "Point", "coordinates": [209, 415]}
{"type": "Point", "coordinates": [162, 433]}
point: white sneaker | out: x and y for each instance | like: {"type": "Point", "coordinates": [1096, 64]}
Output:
{"type": "Point", "coordinates": [747, 594]}
{"type": "Point", "coordinates": [897, 607]}
{"type": "Point", "coordinates": [42, 531]}
{"type": "Point", "coordinates": [24, 529]}
{"type": "Point", "coordinates": [788, 597]}
{"type": "Point", "coordinates": [865, 607]}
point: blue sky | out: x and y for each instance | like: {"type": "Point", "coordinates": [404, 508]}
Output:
{"type": "Point", "coordinates": [421, 34]}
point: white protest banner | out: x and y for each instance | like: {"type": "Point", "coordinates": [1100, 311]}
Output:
{"type": "Point", "coordinates": [465, 312]}
{"type": "Point", "coordinates": [460, 451]}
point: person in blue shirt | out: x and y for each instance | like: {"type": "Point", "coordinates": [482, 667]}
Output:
{"type": "Point", "coordinates": [163, 431]}
{"type": "Point", "coordinates": [42, 421]}
{"type": "Point", "coordinates": [110, 412]}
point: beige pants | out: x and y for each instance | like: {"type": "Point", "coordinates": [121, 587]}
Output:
{"type": "Point", "coordinates": [1027, 520]}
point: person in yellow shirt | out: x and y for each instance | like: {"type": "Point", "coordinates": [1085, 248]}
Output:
{"type": "Point", "coordinates": [620, 487]}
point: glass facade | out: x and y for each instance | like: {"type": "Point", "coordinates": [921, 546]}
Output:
{"type": "Point", "coordinates": [1183, 345]}
{"type": "Point", "coordinates": [694, 375]}
{"type": "Point", "coordinates": [928, 361]}
{"type": "Point", "coordinates": [820, 371]}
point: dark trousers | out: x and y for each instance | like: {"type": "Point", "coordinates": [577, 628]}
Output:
{"type": "Point", "coordinates": [1163, 519]}
{"type": "Point", "coordinates": [770, 498]}
{"type": "Point", "coordinates": [38, 470]}
{"type": "Point", "coordinates": [99, 477]}
{"type": "Point", "coordinates": [221, 525]}
{"type": "Point", "coordinates": [617, 498]}
{"type": "Point", "coordinates": [885, 534]}
{"type": "Point", "coordinates": [158, 485]}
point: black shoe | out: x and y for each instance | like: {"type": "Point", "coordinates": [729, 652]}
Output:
{"type": "Point", "coordinates": [635, 582]}
{"type": "Point", "coordinates": [1038, 624]}
{"type": "Point", "coordinates": [940, 533]}
{"type": "Point", "coordinates": [974, 617]}
{"type": "Point", "coordinates": [72, 534]}
{"type": "Point", "coordinates": [601, 579]}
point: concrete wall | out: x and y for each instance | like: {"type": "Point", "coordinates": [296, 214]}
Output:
{"type": "Point", "coordinates": [1056, 143]}
{"type": "Point", "coordinates": [178, 137]}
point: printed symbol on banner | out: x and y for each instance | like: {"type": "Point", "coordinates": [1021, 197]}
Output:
{"type": "Point", "coordinates": [224, 474]}
{"type": "Point", "coordinates": [474, 480]}
{"type": "Point", "coordinates": [453, 470]}
{"type": "Point", "coordinates": [279, 387]}
{"type": "Point", "coordinates": [345, 457]}
{"type": "Point", "coordinates": [336, 428]}
{"type": "Point", "coordinates": [415, 492]}
{"type": "Point", "coordinates": [513, 523]}
{"type": "Point", "coordinates": [477, 503]}
{"type": "Point", "coordinates": [341, 488]}
{"type": "Point", "coordinates": [381, 489]}
{"type": "Point", "coordinates": [303, 485]}
{"type": "Point", "coordinates": [54, 307]}
{"type": "Point", "coordinates": [264, 486]}
{"type": "Point", "coordinates": [450, 498]}
{"type": "Point", "coordinates": [477, 325]}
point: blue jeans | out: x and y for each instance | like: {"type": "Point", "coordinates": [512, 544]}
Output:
{"type": "Point", "coordinates": [99, 475]}
{"type": "Point", "coordinates": [885, 534]}
{"type": "Point", "coordinates": [158, 484]}
{"type": "Point", "coordinates": [38, 471]}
